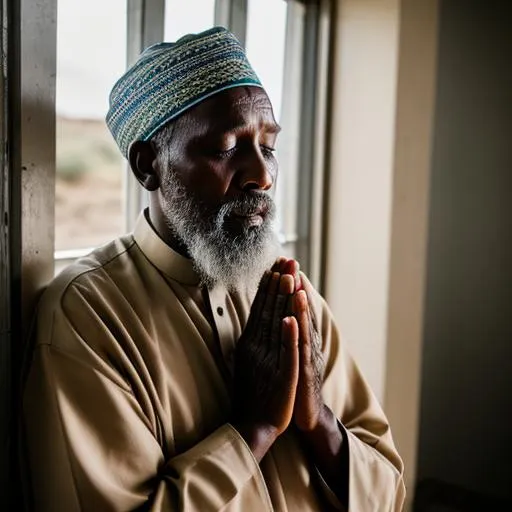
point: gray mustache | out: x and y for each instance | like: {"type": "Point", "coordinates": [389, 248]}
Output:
{"type": "Point", "coordinates": [248, 204]}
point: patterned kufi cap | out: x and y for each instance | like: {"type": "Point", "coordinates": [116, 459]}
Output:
{"type": "Point", "coordinates": [169, 78]}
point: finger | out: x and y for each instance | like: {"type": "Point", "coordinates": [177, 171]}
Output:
{"type": "Point", "coordinates": [284, 292]}
{"type": "Point", "coordinates": [289, 267]}
{"type": "Point", "coordinates": [298, 279]}
{"type": "Point", "coordinates": [278, 265]}
{"type": "Point", "coordinates": [306, 285]}
{"type": "Point", "coordinates": [292, 267]}
{"type": "Point", "coordinates": [267, 313]}
{"type": "Point", "coordinates": [289, 355]}
{"type": "Point", "coordinates": [310, 350]}
{"type": "Point", "coordinates": [304, 325]}
{"type": "Point", "coordinates": [259, 301]}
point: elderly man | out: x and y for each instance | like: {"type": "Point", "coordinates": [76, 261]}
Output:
{"type": "Point", "coordinates": [168, 374]}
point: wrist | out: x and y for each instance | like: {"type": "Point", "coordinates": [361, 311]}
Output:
{"type": "Point", "coordinates": [258, 437]}
{"type": "Point", "coordinates": [326, 424]}
{"type": "Point", "coordinates": [328, 449]}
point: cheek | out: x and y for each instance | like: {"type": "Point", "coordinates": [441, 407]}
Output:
{"type": "Point", "coordinates": [273, 167]}
{"type": "Point", "coordinates": [210, 183]}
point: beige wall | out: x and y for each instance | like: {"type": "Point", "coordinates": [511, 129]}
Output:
{"type": "Point", "coordinates": [362, 169]}
{"type": "Point", "coordinates": [384, 75]}
{"type": "Point", "coordinates": [408, 260]}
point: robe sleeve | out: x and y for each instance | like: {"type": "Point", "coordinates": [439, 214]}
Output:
{"type": "Point", "coordinates": [92, 447]}
{"type": "Point", "coordinates": [375, 469]}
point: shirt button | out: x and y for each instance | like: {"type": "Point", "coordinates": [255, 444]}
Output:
{"type": "Point", "coordinates": [220, 311]}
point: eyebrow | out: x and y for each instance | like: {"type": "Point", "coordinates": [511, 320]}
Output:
{"type": "Point", "coordinates": [269, 127]}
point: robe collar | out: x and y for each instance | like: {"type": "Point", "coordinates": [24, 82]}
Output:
{"type": "Point", "coordinates": [166, 259]}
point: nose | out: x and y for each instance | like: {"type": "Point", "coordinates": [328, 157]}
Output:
{"type": "Point", "coordinates": [255, 172]}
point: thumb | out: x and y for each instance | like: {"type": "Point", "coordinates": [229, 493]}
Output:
{"type": "Point", "coordinates": [289, 358]}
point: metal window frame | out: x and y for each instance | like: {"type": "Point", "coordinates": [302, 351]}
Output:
{"type": "Point", "coordinates": [324, 94]}
{"type": "Point", "coordinates": [28, 44]}
{"type": "Point", "coordinates": [232, 14]}
{"type": "Point", "coordinates": [6, 270]}
{"type": "Point", "coordinates": [305, 118]}
{"type": "Point", "coordinates": [145, 26]}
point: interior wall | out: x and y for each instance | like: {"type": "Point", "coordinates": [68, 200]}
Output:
{"type": "Point", "coordinates": [382, 115]}
{"type": "Point", "coordinates": [467, 356]}
{"type": "Point", "coordinates": [363, 110]}
{"type": "Point", "coordinates": [409, 225]}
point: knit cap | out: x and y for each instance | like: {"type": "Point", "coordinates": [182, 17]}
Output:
{"type": "Point", "coordinates": [170, 78]}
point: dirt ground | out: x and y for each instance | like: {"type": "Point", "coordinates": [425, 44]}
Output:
{"type": "Point", "coordinates": [89, 187]}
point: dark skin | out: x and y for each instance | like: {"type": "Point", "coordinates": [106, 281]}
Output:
{"type": "Point", "coordinates": [223, 148]}
{"type": "Point", "coordinates": [315, 421]}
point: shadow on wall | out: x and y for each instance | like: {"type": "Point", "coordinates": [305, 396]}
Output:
{"type": "Point", "coordinates": [467, 353]}
{"type": "Point", "coordinates": [437, 496]}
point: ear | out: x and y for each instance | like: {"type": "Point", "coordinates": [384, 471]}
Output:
{"type": "Point", "coordinates": [141, 156]}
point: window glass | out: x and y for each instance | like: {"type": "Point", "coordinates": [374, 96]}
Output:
{"type": "Point", "coordinates": [266, 33]}
{"type": "Point", "coordinates": [187, 17]}
{"type": "Point", "coordinates": [266, 38]}
{"type": "Point", "coordinates": [91, 55]}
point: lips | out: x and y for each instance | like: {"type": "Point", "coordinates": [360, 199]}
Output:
{"type": "Point", "coordinates": [261, 211]}
{"type": "Point", "coordinates": [250, 218]}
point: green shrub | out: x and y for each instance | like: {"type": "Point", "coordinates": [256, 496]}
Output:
{"type": "Point", "coordinates": [106, 152]}
{"type": "Point", "coordinates": [71, 168]}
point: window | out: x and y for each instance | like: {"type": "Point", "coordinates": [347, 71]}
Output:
{"type": "Point", "coordinates": [266, 34]}
{"type": "Point", "coordinates": [91, 55]}
{"type": "Point", "coordinates": [187, 17]}
{"type": "Point", "coordinates": [265, 44]}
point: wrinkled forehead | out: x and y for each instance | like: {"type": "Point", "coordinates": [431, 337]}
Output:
{"type": "Point", "coordinates": [235, 108]}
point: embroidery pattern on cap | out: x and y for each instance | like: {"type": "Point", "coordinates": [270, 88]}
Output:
{"type": "Point", "coordinates": [170, 78]}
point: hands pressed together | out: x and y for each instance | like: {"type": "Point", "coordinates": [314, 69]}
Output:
{"type": "Point", "coordinates": [278, 364]}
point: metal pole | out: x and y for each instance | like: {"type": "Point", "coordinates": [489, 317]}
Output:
{"type": "Point", "coordinates": [232, 14]}
{"type": "Point", "coordinates": [5, 270]}
{"type": "Point", "coordinates": [27, 176]}
{"type": "Point", "coordinates": [145, 27]}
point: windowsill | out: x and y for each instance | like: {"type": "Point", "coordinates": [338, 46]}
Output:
{"type": "Point", "coordinates": [66, 257]}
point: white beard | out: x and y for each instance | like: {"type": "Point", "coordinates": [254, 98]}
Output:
{"type": "Point", "coordinates": [220, 256]}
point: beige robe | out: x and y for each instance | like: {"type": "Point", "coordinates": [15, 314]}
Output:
{"type": "Point", "coordinates": [127, 400]}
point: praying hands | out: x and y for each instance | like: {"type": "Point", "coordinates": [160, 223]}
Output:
{"type": "Point", "coordinates": [279, 374]}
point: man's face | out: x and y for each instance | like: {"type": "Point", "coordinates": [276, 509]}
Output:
{"type": "Point", "coordinates": [217, 173]}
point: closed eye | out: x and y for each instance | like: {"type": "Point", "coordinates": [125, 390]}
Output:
{"type": "Point", "coordinates": [267, 150]}
{"type": "Point", "coordinates": [225, 153]}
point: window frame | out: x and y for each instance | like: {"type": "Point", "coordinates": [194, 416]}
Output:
{"type": "Point", "coordinates": [28, 43]}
